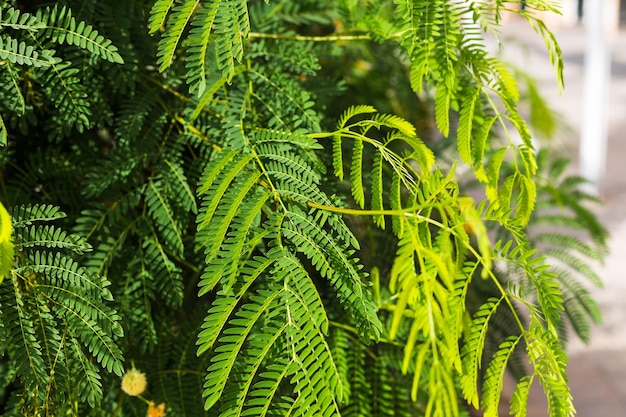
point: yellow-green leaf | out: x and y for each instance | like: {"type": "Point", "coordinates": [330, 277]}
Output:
{"type": "Point", "coordinates": [6, 245]}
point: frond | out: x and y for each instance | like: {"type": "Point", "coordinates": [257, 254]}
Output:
{"type": "Point", "coordinates": [236, 186]}
{"type": "Point", "coordinates": [333, 261]}
{"type": "Point", "coordinates": [102, 216]}
{"type": "Point", "coordinates": [340, 346]}
{"type": "Point", "coordinates": [179, 18]}
{"type": "Point", "coordinates": [224, 265]}
{"type": "Point", "coordinates": [473, 350]}
{"type": "Point", "coordinates": [114, 170]}
{"type": "Point", "coordinates": [526, 199]}
{"type": "Point", "coordinates": [223, 170]}
{"type": "Point", "coordinates": [226, 302]}
{"type": "Point", "coordinates": [431, 41]}
{"type": "Point", "coordinates": [559, 219]}
{"type": "Point", "coordinates": [58, 25]}
{"type": "Point", "coordinates": [201, 54]}
{"type": "Point", "coordinates": [90, 388]}
{"type": "Point", "coordinates": [231, 343]}
{"type": "Point", "coordinates": [229, 205]}
{"type": "Point", "coordinates": [220, 26]}
{"type": "Point", "coordinates": [213, 82]}
{"type": "Point", "coordinates": [232, 26]}
{"type": "Point", "coordinates": [179, 382]}
{"type": "Point", "coordinates": [20, 53]}
{"type": "Point", "coordinates": [360, 403]}
{"type": "Point", "coordinates": [519, 400]}
{"type": "Point", "coordinates": [133, 115]}
{"type": "Point", "coordinates": [354, 126]}
{"type": "Point", "coordinates": [164, 272]}
{"type": "Point", "coordinates": [377, 188]}
{"type": "Point", "coordinates": [572, 243]}
{"type": "Point", "coordinates": [23, 347]}
{"type": "Point", "coordinates": [163, 215]}
{"type": "Point", "coordinates": [50, 237]}
{"type": "Point", "coordinates": [199, 39]}
{"type": "Point", "coordinates": [465, 130]}
{"type": "Point", "coordinates": [49, 292]}
{"type": "Point", "coordinates": [91, 321]}
{"type": "Point", "coordinates": [494, 376]}
{"type": "Point", "coordinates": [158, 14]}
{"type": "Point", "coordinates": [136, 302]}
{"type": "Point", "coordinates": [18, 20]}
{"type": "Point", "coordinates": [550, 41]}
{"type": "Point", "coordinates": [294, 57]}
{"type": "Point", "coordinates": [550, 367]}
{"type": "Point", "coordinates": [443, 97]}
{"type": "Point", "coordinates": [264, 398]}
{"type": "Point", "coordinates": [578, 305]}
{"type": "Point", "coordinates": [547, 289]}
{"type": "Point", "coordinates": [315, 375]}
{"type": "Point", "coordinates": [356, 170]}
{"type": "Point", "coordinates": [282, 91]}
{"type": "Point", "coordinates": [26, 215]}
{"type": "Point", "coordinates": [66, 92]}
{"type": "Point", "coordinates": [255, 355]}
{"type": "Point", "coordinates": [10, 90]}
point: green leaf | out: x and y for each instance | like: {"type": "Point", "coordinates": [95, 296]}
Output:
{"type": "Point", "coordinates": [464, 134]}
{"type": "Point", "coordinates": [493, 174]}
{"type": "Point", "coordinates": [526, 199]}
{"type": "Point", "coordinates": [442, 109]}
{"type": "Point", "coordinates": [60, 26]}
{"type": "Point", "coordinates": [356, 170]}
{"type": "Point", "coordinates": [158, 14]}
{"type": "Point", "coordinates": [20, 53]}
{"type": "Point", "coordinates": [180, 17]}
{"type": "Point", "coordinates": [6, 244]}
{"type": "Point", "coordinates": [225, 355]}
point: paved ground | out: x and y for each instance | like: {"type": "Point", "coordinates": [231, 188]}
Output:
{"type": "Point", "coordinates": [597, 372]}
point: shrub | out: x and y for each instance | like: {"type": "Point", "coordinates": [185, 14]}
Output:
{"type": "Point", "coordinates": [202, 194]}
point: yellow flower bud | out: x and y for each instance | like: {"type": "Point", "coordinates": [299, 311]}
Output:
{"type": "Point", "coordinates": [134, 382]}
{"type": "Point", "coordinates": [155, 410]}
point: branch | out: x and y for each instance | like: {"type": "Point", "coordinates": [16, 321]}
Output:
{"type": "Point", "coordinates": [328, 38]}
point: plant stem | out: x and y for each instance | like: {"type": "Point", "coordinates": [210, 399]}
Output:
{"type": "Point", "coordinates": [328, 38]}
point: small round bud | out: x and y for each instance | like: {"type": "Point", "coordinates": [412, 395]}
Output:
{"type": "Point", "coordinates": [134, 382]}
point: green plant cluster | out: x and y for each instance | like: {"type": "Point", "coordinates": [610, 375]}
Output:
{"type": "Point", "coordinates": [202, 190]}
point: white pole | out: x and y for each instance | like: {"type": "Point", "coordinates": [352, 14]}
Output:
{"type": "Point", "coordinates": [596, 79]}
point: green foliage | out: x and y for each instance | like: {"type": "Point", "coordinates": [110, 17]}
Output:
{"type": "Point", "coordinates": [62, 326]}
{"type": "Point", "coordinates": [202, 191]}
{"type": "Point", "coordinates": [570, 236]}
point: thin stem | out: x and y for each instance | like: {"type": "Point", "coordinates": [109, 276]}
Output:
{"type": "Point", "coordinates": [328, 38]}
{"type": "Point", "coordinates": [358, 212]}
{"type": "Point", "coordinates": [436, 223]}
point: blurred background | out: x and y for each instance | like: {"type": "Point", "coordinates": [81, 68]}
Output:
{"type": "Point", "coordinates": [592, 133]}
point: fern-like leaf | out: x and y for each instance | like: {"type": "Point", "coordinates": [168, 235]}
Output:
{"type": "Point", "coordinates": [18, 52]}
{"type": "Point", "coordinates": [158, 14]}
{"type": "Point", "coordinates": [494, 376]}
{"type": "Point", "coordinates": [58, 25]}
{"type": "Point", "coordinates": [333, 261]}
{"type": "Point", "coordinates": [180, 16]}
{"type": "Point", "coordinates": [232, 342]}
